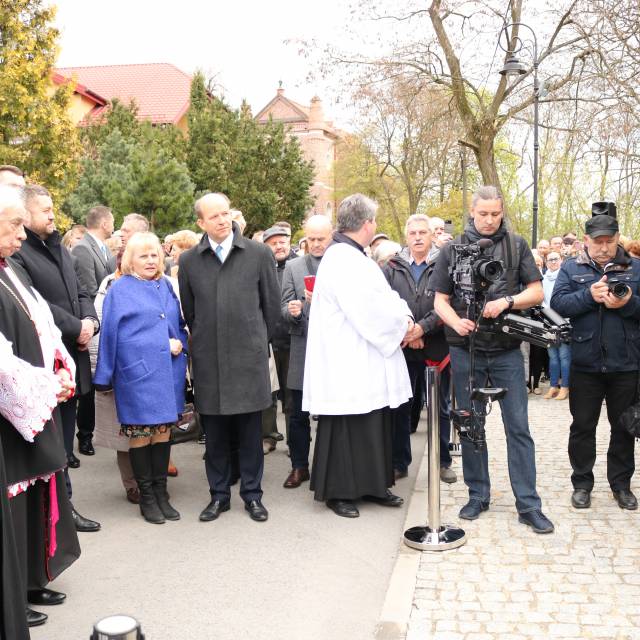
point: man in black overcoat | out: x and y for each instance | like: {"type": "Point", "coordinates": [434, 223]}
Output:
{"type": "Point", "coordinates": [50, 268]}
{"type": "Point", "coordinates": [231, 302]}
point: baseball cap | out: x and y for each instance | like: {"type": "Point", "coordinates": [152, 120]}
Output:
{"type": "Point", "coordinates": [601, 225]}
{"type": "Point", "coordinates": [271, 232]}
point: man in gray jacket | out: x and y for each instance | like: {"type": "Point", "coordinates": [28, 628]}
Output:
{"type": "Point", "coordinates": [93, 263]}
{"type": "Point", "coordinates": [296, 305]}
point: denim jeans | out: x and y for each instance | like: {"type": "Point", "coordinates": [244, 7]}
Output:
{"type": "Point", "coordinates": [503, 369]}
{"type": "Point", "coordinates": [402, 420]}
{"type": "Point", "coordinates": [559, 364]}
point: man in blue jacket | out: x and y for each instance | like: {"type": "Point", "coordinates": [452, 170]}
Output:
{"type": "Point", "coordinates": [605, 354]}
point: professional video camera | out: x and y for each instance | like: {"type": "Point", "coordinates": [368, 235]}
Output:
{"type": "Point", "coordinates": [473, 273]}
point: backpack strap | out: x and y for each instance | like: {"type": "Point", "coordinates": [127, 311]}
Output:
{"type": "Point", "coordinates": [510, 254]}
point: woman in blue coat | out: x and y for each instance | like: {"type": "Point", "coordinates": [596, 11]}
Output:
{"type": "Point", "coordinates": [142, 356]}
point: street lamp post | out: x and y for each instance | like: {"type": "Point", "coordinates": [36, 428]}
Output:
{"type": "Point", "coordinates": [513, 67]}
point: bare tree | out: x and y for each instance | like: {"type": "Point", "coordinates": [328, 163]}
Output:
{"type": "Point", "coordinates": [411, 131]}
{"type": "Point", "coordinates": [448, 44]}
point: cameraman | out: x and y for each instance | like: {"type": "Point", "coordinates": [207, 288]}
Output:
{"type": "Point", "coordinates": [605, 354]}
{"type": "Point", "coordinates": [497, 357]}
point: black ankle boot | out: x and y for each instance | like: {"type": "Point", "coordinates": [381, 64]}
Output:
{"type": "Point", "coordinates": [160, 453]}
{"type": "Point", "coordinates": [141, 465]}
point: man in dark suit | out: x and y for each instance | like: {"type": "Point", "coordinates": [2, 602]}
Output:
{"type": "Point", "coordinates": [94, 262]}
{"type": "Point", "coordinates": [50, 268]}
{"type": "Point", "coordinates": [231, 302]}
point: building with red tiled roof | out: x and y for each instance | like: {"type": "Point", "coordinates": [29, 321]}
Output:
{"type": "Point", "coordinates": [318, 139]}
{"type": "Point", "coordinates": [160, 90]}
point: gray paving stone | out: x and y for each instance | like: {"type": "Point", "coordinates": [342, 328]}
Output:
{"type": "Point", "coordinates": [583, 581]}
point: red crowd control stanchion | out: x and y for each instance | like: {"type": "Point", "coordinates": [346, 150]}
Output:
{"type": "Point", "coordinates": [434, 536]}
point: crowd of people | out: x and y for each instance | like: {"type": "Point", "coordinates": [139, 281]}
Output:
{"type": "Point", "coordinates": [114, 328]}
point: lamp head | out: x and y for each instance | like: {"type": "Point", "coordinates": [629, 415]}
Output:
{"type": "Point", "coordinates": [513, 67]}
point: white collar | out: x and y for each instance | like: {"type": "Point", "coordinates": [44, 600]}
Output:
{"type": "Point", "coordinates": [225, 244]}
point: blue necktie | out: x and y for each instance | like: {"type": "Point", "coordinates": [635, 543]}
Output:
{"type": "Point", "coordinates": [219, 251]}
{"type": "Point", "coordinates": [104, 252]}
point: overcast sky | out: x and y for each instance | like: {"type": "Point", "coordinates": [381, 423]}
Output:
{"type": "Point", "coordinates": [241, 41]}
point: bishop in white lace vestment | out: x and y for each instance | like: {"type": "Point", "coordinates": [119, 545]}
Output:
{"type": "Point", "coordinates": [32, 449]}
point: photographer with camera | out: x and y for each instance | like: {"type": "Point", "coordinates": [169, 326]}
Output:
{"type": "Point", "coordinates": [599, 291]}
{"type": "Point", "coordinates": [495, 357]}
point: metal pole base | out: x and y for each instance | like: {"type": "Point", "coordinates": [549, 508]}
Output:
{"type": "Point", "coordinates": [426, 539]}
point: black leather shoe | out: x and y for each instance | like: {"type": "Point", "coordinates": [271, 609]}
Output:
{"type": "Point", "coordinates": [344, 508]}
{"type": "Point", "coordinates": [213, 510]}
{"type": "Point", "coordinates": [86, 448]}
{"type": "Point", "coordinates": [625, 499]}
{"type": "Point", "coordinates": [84, 524]}
{"type": "Point", "coordinates": [473, 509]}
{"type": "Point", "coordinates": [35, 618]}
{"type": "Point", "coordinates": [389, 500]}
{"type": "Point", "coordinates": [277, 436]}
{"type": "Point", "coordinates": [537, 521]}
{"type": "Point", "coordinates": [256, 510]}
{"type": "Point", "coordinates": [72, 461]}
{"type": "Point", "coordinates": [581, 499]}
{"type": "Point", "coordinates": [45, 597]}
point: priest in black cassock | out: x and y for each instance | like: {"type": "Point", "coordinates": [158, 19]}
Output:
{"type": "Point", "coordinates": [36, 373]}
{"type": "Point", "coordinates": [355, 372]}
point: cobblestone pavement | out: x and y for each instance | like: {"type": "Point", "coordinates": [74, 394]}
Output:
{"type": "Point", "coordinates": [508, 583]}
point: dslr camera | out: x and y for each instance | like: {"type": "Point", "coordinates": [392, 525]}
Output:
{"type": "Point", "coordinates": [617, 287]}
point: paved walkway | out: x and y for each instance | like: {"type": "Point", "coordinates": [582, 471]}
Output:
{"type": "Point", "coordinates": [508, 583]}
{"type": "Point", "coordinates": [305, 574]}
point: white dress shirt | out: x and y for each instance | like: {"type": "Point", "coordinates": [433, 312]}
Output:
{"type": "Point", "coordinates": [226, 245]}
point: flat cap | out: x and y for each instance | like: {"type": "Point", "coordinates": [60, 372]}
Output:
{"type": "Point", "coordinates": [271, 232]}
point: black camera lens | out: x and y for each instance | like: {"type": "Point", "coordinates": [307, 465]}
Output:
{"type": "Point", "coordinates": [619, 289]}
{"type": "Point", "coordinates": [491, 270]}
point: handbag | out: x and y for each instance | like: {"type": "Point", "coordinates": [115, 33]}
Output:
{"type": "Point", "coordinates": [630, 418]}
{"type": "Point", "coordinates": [188, 427]}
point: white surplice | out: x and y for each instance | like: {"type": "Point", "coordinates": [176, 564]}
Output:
{"type": "Point", "coordinates": [354, 363]}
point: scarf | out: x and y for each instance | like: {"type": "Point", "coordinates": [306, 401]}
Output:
{"type": "Point", "coordinates": [474, 235]}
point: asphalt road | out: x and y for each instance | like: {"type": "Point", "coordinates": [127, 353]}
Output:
{"type": "Point", "coordinates": [305, 574]}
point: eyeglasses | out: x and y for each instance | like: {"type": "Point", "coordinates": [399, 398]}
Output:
{"type": "Point", "coordinates": [553, 259]}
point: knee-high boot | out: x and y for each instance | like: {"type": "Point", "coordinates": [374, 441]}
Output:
{"type": "Point", "coordinates": [142, 470]}
{"type": "Point", "coordinates": [160, 453]}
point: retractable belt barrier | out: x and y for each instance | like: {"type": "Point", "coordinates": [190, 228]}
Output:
{"type": "Point", "coordinates": [434, 536]}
